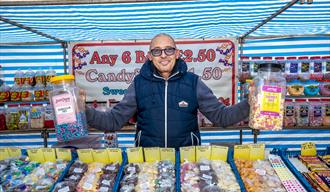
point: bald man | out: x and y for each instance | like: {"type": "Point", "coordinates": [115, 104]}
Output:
{"type": "Point", "coordinates": [166, 97]}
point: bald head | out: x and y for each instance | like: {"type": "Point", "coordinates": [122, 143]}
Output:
{"type": "Point", "coordinates": [161, 35]}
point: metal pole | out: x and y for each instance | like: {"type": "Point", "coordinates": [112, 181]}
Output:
{"type": "Point", "coordinates": [270, 18]}
{"type": "Point", "coordinates": [30, 29]}
{"type": "Point", "coordinates": [65, 46]}
{"type": "Point", "coordinates": [70, 2]}
{"type": "Point", "coordinates": [240, 136]}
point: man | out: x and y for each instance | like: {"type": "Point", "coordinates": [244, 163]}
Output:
{"type": "Point", "coordinates": [166, 98]}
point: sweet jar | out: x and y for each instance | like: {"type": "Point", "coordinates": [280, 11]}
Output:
{"type": "Point", "coordinates": [267, 97]}
{"type": "Point", "coordinates": [69, 111]}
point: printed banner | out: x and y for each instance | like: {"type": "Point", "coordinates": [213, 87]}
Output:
{"type": "Point", "coordinates": [106, 69]}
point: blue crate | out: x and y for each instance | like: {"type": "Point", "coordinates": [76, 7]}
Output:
{"type": "Point", "coordinates": [125, 162]}
{"type": "Point", "coordinates": [285, 154]}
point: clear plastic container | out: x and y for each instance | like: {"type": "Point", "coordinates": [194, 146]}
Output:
{"type": "Point", "coordinates": [49, 74]}
{"type": "Point", "coordinates": [291, 66]}
{"type": "Point", "coordinates": [304, 67]}
{"type": "Point", "coordinates": [70, 118]}
{"type": "Point", "coordinates": [27, 92]}
{"type": "Point", "coordinates": [267, 98]}
{"type": "Point", "coordinates": [4, 93]}
{"type": "Point", "coordinates": [2, 118]}
{"type": "Point", "coordinates": [39, 91]}
{"type": "Point", "coordinates": [49, 117]}
{"type": "Point", "coordinates": [326, 112]}
{"type": "Point", "coordinates": [29, 77]}
{"type": "Point", "coordinates": [316, 68]}
{"type": "Point", "coordinates": [24, 116]}
{"type": "Point", "coordinates": [244, 69]}
{"type": "Point", "coordinates": [15, 92]}
{"type": "Point", "coordinates": [302, 112]}
{"type": "Point", "coordinates": [40, 77]}
{"type": "Point", "coordinates": [289, 114]}
{"type": "Point", "coordinates": [12, 117]}
{"type": "Point", "coordinates": [48, 88]}
{"type": "Point", "coordinates": [37, 115]}
{"type": "Point", "coordinates": [315, 113]}
{"type": "Point", "coordinates": [19, 77]}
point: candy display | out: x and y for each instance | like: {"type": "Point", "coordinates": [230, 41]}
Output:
{"type": "Point", "coordinates": [311, 88]}
{"type": "Point", "coordinates": [24, 116]}
{"type": "Point", "coordinates": [157, 176]}
{"type": "Point", "coordinates": [208, 176]}
{"type": "Point", "coordinates": [319, 172]}
{"type": "Point", "coordinates": [267, 98]}
{"type": "Point", "coordinates": [89, 177]}
{"type": "Point", "coordinates": [325, 88]}
{"type": "Point", "coordinates": [2, 118]}
{"type": "Point", "coordinates": [289, 181]}
{"type": "Point", "coordinates": [12, 117]}
{"type": "Point", "coordinates": [70, 118]}
{"type": "Point", "coordinates": [326, 112]}
{"type": "Point", "coordinates": [20, 174]}
{"type": "Point", "coordinates": [289, 114]}
{"type": "Point", "coordinates": [315, 116]}
{"type": "Point", "coordinates": [302, 112]}
{"type": "Point", "coordinates": [37, 116]}
{"type": "Point", "coordinates": [295, 88]}
{"type": "Point", "coordinates": [259, 176]}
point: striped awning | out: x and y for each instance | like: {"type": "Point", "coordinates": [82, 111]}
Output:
{"type": "Point", "coordinates": [181, 19]}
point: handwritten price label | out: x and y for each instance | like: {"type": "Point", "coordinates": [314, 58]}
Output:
{"type": "Point", "coordinates": [308, 149]}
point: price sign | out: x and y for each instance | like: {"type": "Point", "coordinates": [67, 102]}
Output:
{"type": "Point", "coordinates": [167, 154]}
{"type": "Point", "coordinates": [257, 151]}
{"type": "Point", "coordinates": [203, 152]}
{"type": "Point", "coordinates": [135, 155]}
{"type": "Point", "coordinates": [242, 152]}
{"type": "Point", "coordinates": [151, 154]}
{"type": "Point", "coordinates": [64, 154]}
{"type": "Point", "coordinates": [114, 155]}
{"type": "Point", "coordinates": [308, 149]}
{"type": "Point", "coordinates": [188, 153]}
{"type": "Point", "coordinates": [36, 155]}
{"type": "Point", "coordinates": [85, 155]}
{"type": "Point", "coordinates": [101, 156]}
{"type": "Point", "coordinates": [219, 152]}
{"type": "Point", "coordinates": [49, 154]}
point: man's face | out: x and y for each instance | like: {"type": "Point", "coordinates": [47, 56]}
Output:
{"type": "Point", "coordinates": [163, 55]}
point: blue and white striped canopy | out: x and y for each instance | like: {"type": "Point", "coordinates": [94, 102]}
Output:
{"type": "Point", "coordinates": [182, 19]}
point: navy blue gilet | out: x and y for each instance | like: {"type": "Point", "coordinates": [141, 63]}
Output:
{"type": "Point", "coordinates": [182, 125]}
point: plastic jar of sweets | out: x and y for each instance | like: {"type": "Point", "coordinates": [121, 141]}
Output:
{"type": "Point", "coordinates": [267, 98]}
{"type": "Point", "coordinates": [70, 118]}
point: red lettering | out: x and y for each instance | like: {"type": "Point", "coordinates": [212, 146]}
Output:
{"type": "Point", "coordinates": [126, 57]}
{"type": "Point", "coordinates": [95, 58]}
{"type": "Point", "coordinates": [105, 59]}
{"type": "Point", "coordinates": [113, 59]}
{"type": "Point", "coordinates": [140, 57]}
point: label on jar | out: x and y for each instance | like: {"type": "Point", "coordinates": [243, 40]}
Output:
{"type": "Point", "coordinates": [19, 81]}
{"type": "Point", "coordinates": [317, 111]}
{"type": "Point", "coordinates": [327, 110]}
{"type": "Point", "coordinates": [4, 96]}
{"type": "Point", "coordinates": [40, 79]}
{"type": "Point", "coordinates": [289, 111]}
{"type": "Point", "coordinates": [317, 67]}
{"type": "Point", "coordinates": [245, 67]}
{"type": "Point", "coordinates": [26, 96]}
{"type": "Point", "coordinates": [39, 95]}
{"type": "Point", "coordinates": [304, 67]}
{"type": "Point", "coordinates": [35, 113]}
{"type": "Point", "coordinates": [271, 100]}
{"type": "Point", "coordinates": [15, 96]}
{"type": "Point", "coordinates": [303, 111]}
{"type": "Point", "coordinates": [293, 68]}
{"type": "Point", "coordinates": [64, 108]}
